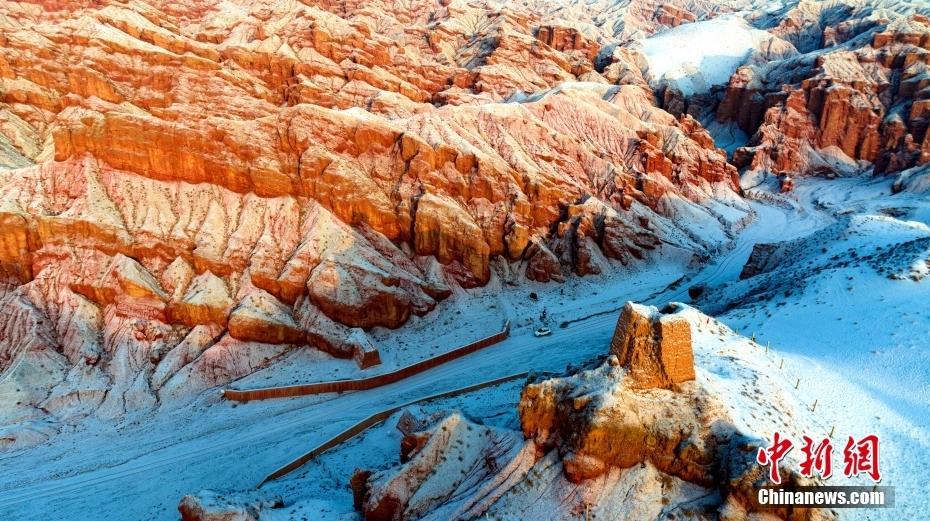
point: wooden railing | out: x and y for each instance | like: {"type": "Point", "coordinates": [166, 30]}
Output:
{"type": "Point", "coordinates": [361, 384]}
{"type": "Point", "coordinates": [377, 418]}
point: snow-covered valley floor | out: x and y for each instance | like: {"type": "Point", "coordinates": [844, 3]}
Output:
{"type": "Point", "coordinates": [862, 353]}
{"type": "Point", "coordinates": [854, 337]}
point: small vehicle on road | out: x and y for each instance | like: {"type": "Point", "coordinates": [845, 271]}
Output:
{"type": "Point", "coordinates": [543, 331]}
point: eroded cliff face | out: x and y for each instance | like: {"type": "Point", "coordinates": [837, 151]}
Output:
{"type": "Point", "coordinates": [858, 97]}
{"type": "Point", "coordinates": [192, 189]}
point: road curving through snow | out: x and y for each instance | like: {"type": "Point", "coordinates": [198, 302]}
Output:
{"type": "Point", "coordinates": [239, 453]}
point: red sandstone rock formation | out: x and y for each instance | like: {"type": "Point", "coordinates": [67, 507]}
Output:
{"type": "Point", "coordinates": [568, 39]}
{"type": "Point", "coordinates": [624, 21]}
{"type": "Point", "coordinates": [673, 16]}
{"type": "Point", "coordinates": [866, 104]}
{"type": "Point", "coordinates": [190, 190]}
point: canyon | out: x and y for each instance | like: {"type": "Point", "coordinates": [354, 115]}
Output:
{"type": "Point", "coordinates": [217, 186]}
{"type": "Point", "coordinates": [219, 193]}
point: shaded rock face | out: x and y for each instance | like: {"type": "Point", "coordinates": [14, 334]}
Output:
{"type": "Point", "coordinates": [568, 39]}
{"type": "Point", "coordinates": [655, 348]}
{"type": "Point", "coordinates": [863, 101]}
{"type": "Point", "coordinates": [592, 441]}
{"type": "Point", "coordinates": [762, 259]}
{"type": "Point", "coordinates": [591, 231]}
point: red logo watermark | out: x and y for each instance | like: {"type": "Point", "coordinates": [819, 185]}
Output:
{"type": "Point", "coordinates": [859, 457]}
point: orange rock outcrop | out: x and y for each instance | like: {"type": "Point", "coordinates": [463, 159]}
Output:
{"type": "Point", "coordinates": [593, 440]}
{"type": "Point", "coordinates": [199, 187]}
{"type": "Point", "coordinates": [868, 103]}
{"type": "Point", "coordinates": [654, 347]}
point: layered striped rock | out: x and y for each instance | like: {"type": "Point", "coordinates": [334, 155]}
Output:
{"type": "Point", "coordinates": [862, 101]}
{"type": "Point", "coordinates": [189, 191]}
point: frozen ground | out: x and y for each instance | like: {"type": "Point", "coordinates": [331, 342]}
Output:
{"type": "Point", "coordinates": [861, 353]}
{"type": "Point", "coordinates": [850, 329]}
{"type": "Point", "coordinates": [727, 136]}
{"type": "Point", "coordinates": [741, 371]}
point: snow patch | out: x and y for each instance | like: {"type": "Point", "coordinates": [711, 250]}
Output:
{"type": "Point", "coordinates": [697, 56]}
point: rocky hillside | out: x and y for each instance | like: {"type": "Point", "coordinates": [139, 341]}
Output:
{"type": "Point", "coordinates": [666, 426]}
{"type": "Point", "coordinates": [190, 190]}
{"type": "Point", "coordinates": [855, 97]}
{"type": "Point", "coordinates": [211, 192]}
{"type": "Point", "coordinates": [636, 426]}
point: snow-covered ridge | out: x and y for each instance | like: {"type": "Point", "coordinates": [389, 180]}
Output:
{"type": "Point", "coordinates": [697, 56]}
